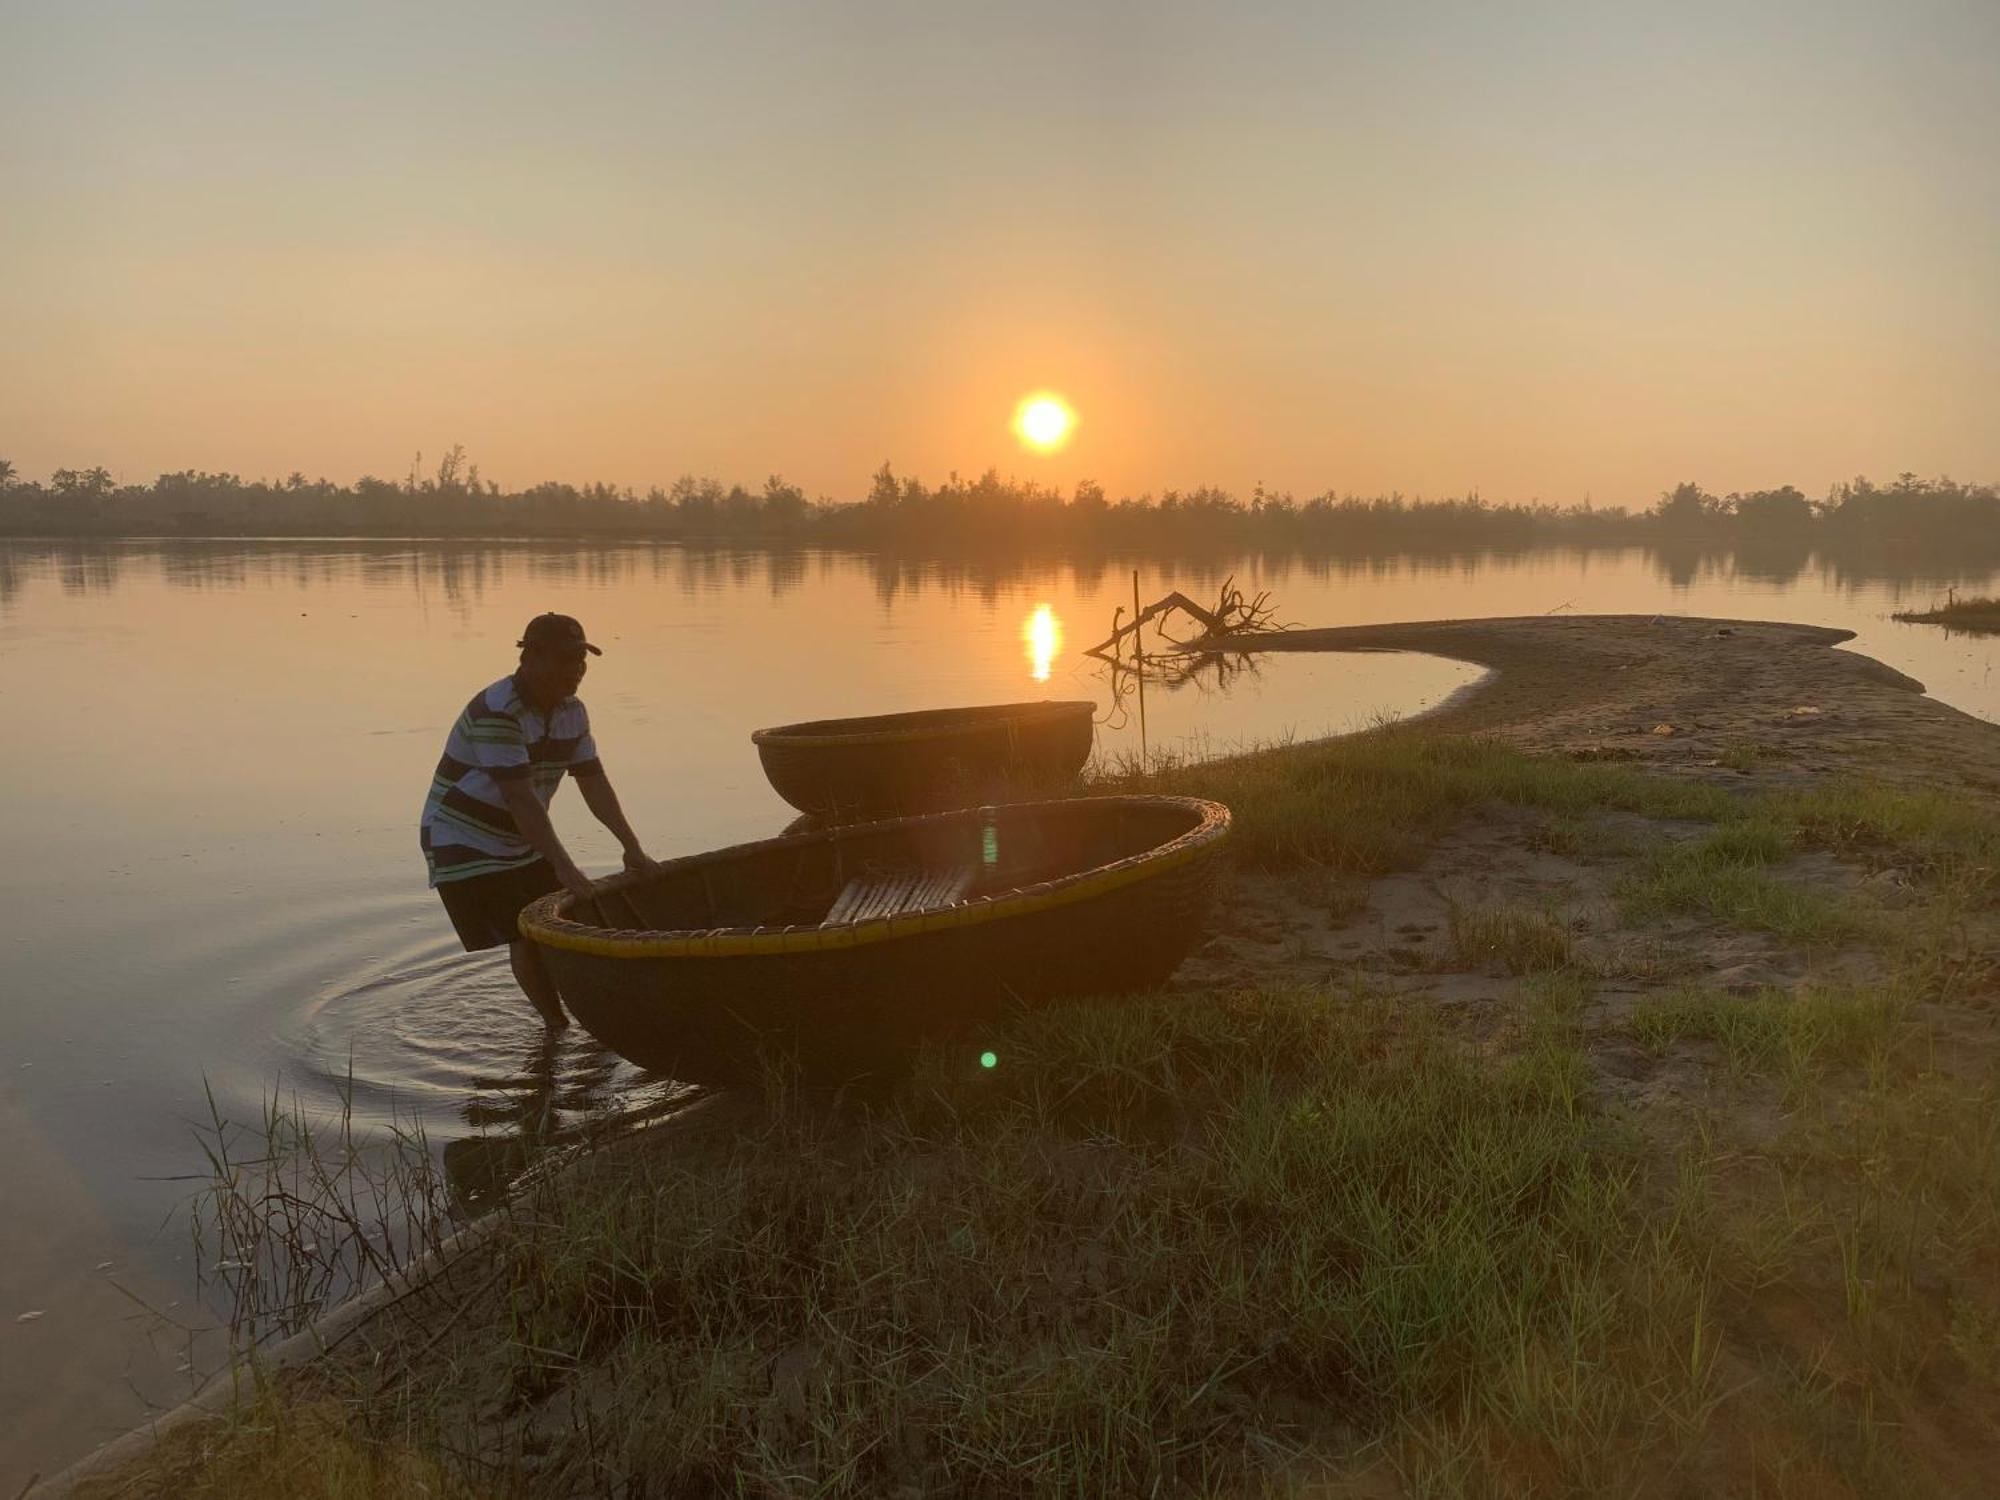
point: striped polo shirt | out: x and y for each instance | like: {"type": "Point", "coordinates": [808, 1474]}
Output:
{"type": "Point", "coordinates": [467, 829]}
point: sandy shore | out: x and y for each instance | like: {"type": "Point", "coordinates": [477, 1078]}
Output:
{"type": "Point", "coordinates": [1604, 685]}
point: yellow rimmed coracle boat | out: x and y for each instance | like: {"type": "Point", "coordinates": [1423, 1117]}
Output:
{"type": "Point", "coordinates": [886, 764]}
{"type": "Point", "coordinates": [840, 951]}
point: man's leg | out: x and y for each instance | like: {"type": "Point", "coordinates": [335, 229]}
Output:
{"type": "Point", "coordinates": [535, 983]}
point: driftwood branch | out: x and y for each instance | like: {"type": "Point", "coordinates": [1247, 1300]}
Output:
{"type": "Point", "coordinates": [1231, 616]}
{"type": "Point", "coordinates": [1221, 650]}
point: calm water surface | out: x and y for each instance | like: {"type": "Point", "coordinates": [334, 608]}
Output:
{"type": "Point", "coordinates": [218, 752]}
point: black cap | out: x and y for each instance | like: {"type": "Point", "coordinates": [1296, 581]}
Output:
{"type": "Point", "coordinates": [560, 631]}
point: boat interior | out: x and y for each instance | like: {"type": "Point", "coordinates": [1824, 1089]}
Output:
{"type": "Point", "coordinates": [870, 871]}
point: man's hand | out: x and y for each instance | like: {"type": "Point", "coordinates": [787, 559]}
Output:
{"type": "Point", "coordinates": [576, 882]}
{"type": "Point", "coordinates": [601, 800]}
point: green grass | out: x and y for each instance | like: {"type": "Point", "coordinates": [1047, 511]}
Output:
{"type": "Point", "coordinates": [1372, 803]}
{"type": "Point", "coordinates": [1796, 1032]}
{"type": "Point", "coordinates": [1244, 1242]}
{"type": "Point", "coordinates": [1220, 1244]}
{"type": "Point", "coordinates": [1159, 1246]}
{"type": "Point", "coordinates": [1934, 834]}
{"type": "Point", "coordinates": [1951, 849]}
{"type": "Point", "coordinates": [1547, 1038]}
{"type": "Point", "coordinates": [1726, 875]}
{"type": "Point", "coordinates": [1217, 1243]}
{"type": "Point", "coordinates": [1749, 755]}
{"type": "Point", "coordinates": [1583, 835]}
{"type": "Point", "coordinates": [1873, 1218]}
{"type": "Point", "coordinates": [1520, 939]}
{"type": "Point", "coordinates": [281, 1444]}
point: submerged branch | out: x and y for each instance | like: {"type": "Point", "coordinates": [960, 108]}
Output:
{"type": "Point", "coordinates": [1231, 617]}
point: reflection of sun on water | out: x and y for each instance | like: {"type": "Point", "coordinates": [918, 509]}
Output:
{"type": "Point", "coordinates": [1042, 633]}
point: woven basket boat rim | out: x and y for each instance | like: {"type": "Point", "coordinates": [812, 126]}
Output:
{"type": "Point", "coordinates": [542, 922]}
{"type": "Point", "coordinates": [922, 723]}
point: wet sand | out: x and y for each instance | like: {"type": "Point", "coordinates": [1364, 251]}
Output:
{"type": "Point", "coordinates": [1681, 694]}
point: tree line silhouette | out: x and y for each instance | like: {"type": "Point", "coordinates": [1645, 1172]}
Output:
{"type": "Point", "coordinates": [903, 513]}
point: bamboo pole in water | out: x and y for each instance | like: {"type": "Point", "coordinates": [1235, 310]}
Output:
{"type": "Point", "coordinates": [1139, 666]}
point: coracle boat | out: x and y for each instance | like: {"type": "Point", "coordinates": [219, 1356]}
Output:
{"type": "Point", "coordinates": [844, 949]}
{"type": "Point", "coordinates": [916, 762]}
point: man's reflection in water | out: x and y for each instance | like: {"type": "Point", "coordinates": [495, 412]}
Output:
{"type": "Point", "coordinates": [517, 1117]}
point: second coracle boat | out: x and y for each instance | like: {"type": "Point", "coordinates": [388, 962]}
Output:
{"type": "Point", "coordinates": [934, 758]}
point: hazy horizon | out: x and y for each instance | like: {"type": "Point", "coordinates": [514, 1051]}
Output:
{"type": "Point", "coordinates": [1555, 254]}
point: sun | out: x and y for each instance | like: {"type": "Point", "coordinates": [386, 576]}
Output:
{"type": "Point", "coordinates": [1044, 421]}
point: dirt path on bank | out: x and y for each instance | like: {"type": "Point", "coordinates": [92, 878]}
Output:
{"type": "Point", "coordinates": [1732, 693]}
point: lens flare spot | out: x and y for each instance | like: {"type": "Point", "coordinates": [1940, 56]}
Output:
{"type": "Point", "coordinates": [1042, 634]}
{"type": "Point", "coordinates": [1044, 421]}
{"type": "Point", "coordinates": [989, 1059]}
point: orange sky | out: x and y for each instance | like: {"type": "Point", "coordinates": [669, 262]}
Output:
{"type": "Point", "coordinates": [1540, 251]}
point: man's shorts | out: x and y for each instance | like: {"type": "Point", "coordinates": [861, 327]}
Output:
{"type": "Point", "coordinates": [486, 909]}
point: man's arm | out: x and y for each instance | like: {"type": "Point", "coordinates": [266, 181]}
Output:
{"type": "Point", "coordinates": [533, 820]}
{"type": "Point", "coordinates": [603, 803]}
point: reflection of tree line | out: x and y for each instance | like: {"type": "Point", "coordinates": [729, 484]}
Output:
{"type": "Point", "coordinates": [460, 573]}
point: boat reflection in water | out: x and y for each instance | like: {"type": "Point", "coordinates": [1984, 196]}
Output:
{"type": "Point", "coordinates": [568, 1089]}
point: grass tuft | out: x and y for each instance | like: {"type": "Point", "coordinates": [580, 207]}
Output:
{"type": "Point", "coordinates": [280, 1444]}
{"type": "Point", "coordinates": [1749, 755]}
{"type": "Point", "coordinates": [1726, 875]}
{"type": "Point", "coordinates": [1935, 835]}
{"type": "Point", "coordinates": [1520, 939]}
{"type": "Point", "coordinates": [1372, 803]}
{"type": "Point", "coordinates": [1977, 615]}
{"type": "Point", "coordinates": [1799, 1032]}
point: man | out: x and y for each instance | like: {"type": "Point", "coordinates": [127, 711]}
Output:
{"type": "Point", "coordinates": [486, 833]}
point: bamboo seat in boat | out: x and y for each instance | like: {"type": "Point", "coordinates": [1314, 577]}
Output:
{"type": "Point", "coordinates": [867, 897]}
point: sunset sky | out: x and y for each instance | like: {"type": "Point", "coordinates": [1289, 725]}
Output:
{"type": "Point", "coordinates": [1534, 250]}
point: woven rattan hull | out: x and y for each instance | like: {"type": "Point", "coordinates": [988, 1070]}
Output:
{"type": "Point", "coordinates": [843, 1003]}
{"type": "Point", "coordinates": [914, 762]}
